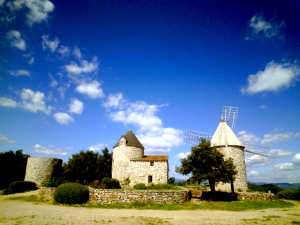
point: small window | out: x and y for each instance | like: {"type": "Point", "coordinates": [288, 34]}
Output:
{"type": "Point", "coordinates": [151, 163]}
{"type": "Point", "coordinates": [149, 179]}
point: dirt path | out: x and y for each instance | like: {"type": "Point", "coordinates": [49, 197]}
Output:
{"type": "Point", "coordinates": [18, 212]}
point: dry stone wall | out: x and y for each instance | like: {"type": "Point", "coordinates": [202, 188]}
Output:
{"type": "Point", "coordinates": [140, 170]}
{"type": "Point", "coordinates": [237, 154]}
{"type": "Point", "coordinates": [41, 168]}
{"type": "Point", "coordinates": [113, 196]}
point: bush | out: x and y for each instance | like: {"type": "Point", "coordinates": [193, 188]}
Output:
{"type": "Point", "coordinates": [111, 183]}
{"type": "Point", "coordinates": [127, 181]}
{"type": "Point", "coordinates": [52, 182]}
{"type": "Point", "coordinates": [171, 180]}
{"type": "Point", "coordinates": [180, 183]}
{"type": "Point", "coordinates": [20, 186]}
{"type": "Point", "coordinates": [289, 194]}
{"type": "Point", "coordinates": [98, 185]}
{"type": "Point", "coordinates": [240, 190]}
{"type": "Point", "coordinates": [71, 193]}
{"type": "Point", "coordinates": [140, 186]}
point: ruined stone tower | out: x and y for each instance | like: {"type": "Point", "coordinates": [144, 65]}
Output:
{"type": "Point", "coordinates": [129, 161]}
{"type": "Point", "coordinates": [228, 143]}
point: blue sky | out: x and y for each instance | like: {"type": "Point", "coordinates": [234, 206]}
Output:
{"type": "Point", "coordinates": [78, 74]}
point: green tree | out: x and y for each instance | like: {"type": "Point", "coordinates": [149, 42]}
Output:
{"type": "Point", "coordinates": [203, 163]}
{"type": "Point", "coordinates": [12, 167]}
{"type": "Point", "coordinates": [228, 173]}
{"type": "Point", "coordinates": [88, 165]}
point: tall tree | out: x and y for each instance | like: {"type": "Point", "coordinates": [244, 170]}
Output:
{"type": "Point", "coordinates": [12, 167]}
{"type": "Point", "coordinates": [203, 163]}
{"type": "Point", "coordinates": [88, 166]}
{"type": "Point", "coordinates": [228, 173]}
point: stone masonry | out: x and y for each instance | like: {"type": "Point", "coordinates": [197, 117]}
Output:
{"type": "Point", "coordinates": [41, 168]}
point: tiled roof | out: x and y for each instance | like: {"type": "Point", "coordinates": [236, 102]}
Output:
{"type": "Point", "coordinates": [152, 158]}
{"type": "Point", "coordinates": [131, 140]}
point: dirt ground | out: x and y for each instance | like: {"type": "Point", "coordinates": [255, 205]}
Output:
{"type": "Point", "coordinates": [18, 212]}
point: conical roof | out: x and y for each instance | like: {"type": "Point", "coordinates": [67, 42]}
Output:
{"type": "Point", "coordinates": [224, 136]}
{"type": "Point", "coordinates": [131, 140]}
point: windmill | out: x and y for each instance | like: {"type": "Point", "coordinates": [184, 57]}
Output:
{"type": "Point", "coordinates": [227, 142]}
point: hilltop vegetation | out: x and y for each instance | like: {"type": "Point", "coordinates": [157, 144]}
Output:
{"type": "Point", "coordinates": [264, 188]}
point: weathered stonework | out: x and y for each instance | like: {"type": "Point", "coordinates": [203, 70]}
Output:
{"type": "Point", "coordinates": [237, 154]}
{"type": "Point", "coordinates": [47, 193]}
{"type": "Point", "coordinates": [41, 168]}
{"type": "Point", "coordinates": [129, 161]}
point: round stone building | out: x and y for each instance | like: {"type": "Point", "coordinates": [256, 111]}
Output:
{"type": "Point", "coordinates": [228, 144]}
{"type": "Point", "coordinates": [129, 161]}
{"type": "Point", "coordinates": [41, 168]}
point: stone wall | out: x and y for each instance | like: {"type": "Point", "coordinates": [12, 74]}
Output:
{"type": "Point", "coordinates": [113, 196]}
{"type": "Point", "coordinates": [41, 168]}
{"type": "Point", "coordinates": [237, 154]}
{"type": "Point", "coordinates": [140, 170]}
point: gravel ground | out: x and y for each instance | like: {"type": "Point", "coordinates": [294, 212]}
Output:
{"type": "Point", "coordinates": [18, 212]}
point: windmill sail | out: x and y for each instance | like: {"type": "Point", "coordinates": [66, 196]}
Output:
{"type": "Point", "coordinates": [193, 138]}
{"type": "Point", "coordinates": [229, 115]}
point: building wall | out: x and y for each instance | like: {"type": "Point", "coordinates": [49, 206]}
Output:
{"type": "Point", "coordinates": [237, 154]}
{"type": "Point", "coordinates": [140, 170]}
{"type": "Point", "coordinates": [41, 168]}
{"type": "Point", "coordinates": [121, 160]}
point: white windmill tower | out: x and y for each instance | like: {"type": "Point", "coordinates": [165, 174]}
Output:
{"type": "Point", "coordinates": [228, 143]}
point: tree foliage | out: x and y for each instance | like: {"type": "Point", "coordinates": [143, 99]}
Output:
{"type": "Point", "coordinates": [12, 167]}
{"type": "Point", "coordinates": [88, 165]}
{"type": "Point", "coordinates": [206, 163]}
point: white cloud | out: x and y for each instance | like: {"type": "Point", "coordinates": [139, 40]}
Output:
{"type": "Point", "coordinates": [84, 67]}
{"type": "Point", "coordinates": [248, 138]}
{"type": "Point", "coordinates": [91, 89]}
{"type": "Point", "coordinates": [6, 102]}
{"type": "Point", "coordinates": [274, 78]}
{"type": "Point", "coordinates": [253, 173]}
{"type": "Point", "coordinates": [31, 61]}
{"type": "Point", "coordinates": [1, 2]}
{"type": "Point", "coordinates": [51, 45]}
{"type": "Point", "coordinates": [4, 140]}
{"type": "Point", "coordinates": [17, 73]}
{"type": "Point", "coordinates": [296, 159]}
{"type": "Point", "coordinates": [263, 107]}
{"type": "Point", "coordinates": [77, 52]}
{"type": "Point", "coordinates": [114, 101]}
{"type": "Point", "coordinates": [38, 9]}
{"type": "Point", "coordinates": [53, 82]}
{"type": "Point", "coordinates": [51, 150]}
{"type": "Point", "coordinates": [62, 91]}
{"type": "Point", "coordinates": [97, 147]}
{"type": "Point", "coordinates": [34, 101]}
{"type": "Point", "coordinates": [63, 50]}
{"type": "Point", "coordinates": [279, 153]}
{"type": "Point", "coordinates": [286, 166]}
{"type": "Point", "coordinates": [15, 39]}
{"type": "Point", "coordinates": [182, 155]}
{"type": "Point", "coordinates": [151, 133]}
{"type": "Point", "coordinates": [261, 28]}
{"type": "Point", "coordinates": [76, 106]}
{"type": "Point", "coordinates": [277, 138]}
{"type": "Point", "coordinates": [63, 118]}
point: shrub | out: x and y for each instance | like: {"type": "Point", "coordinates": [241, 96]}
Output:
{"type": "Point", "coordinates": [171, 180]}
{"type": "Point", "coordinates": [289, 194]}
{"type": "Point", "coordinates": [140, 186]}
{"type": "Point", "coordinates": [127, 181]}
{"type": "Point", "coordinates": [71, 193]}
{"type": "Point", "coordinates": [180, 183]}
{"type": "Point", "coordinates": [240, 190]}
{"type": "Point", "coordinates": [249, 190]}
{"type": "Point", "coordinates": [20, 186]}
{"type": "Point", "coordinates": [111, 183]}
{"type": "Point", "coordinates": [52, 182]}
{"type": "Point", "coordinates": [97, 185]}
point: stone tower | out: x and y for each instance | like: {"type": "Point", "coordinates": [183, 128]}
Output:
{"type": "Point", "coordinates": [227, 143]}
{"type": "Point", "coordinates": [127, 148]}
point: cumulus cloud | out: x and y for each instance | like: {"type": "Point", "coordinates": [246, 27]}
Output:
{"type": "Point", "coordinates": [51, 150]}
{"type": "Point", "coordinates": [248, 138]}
{"type": "Point", "coordinates": [263, 107]}
{"type": "Point", "coordinates": [4, 140]}
{"type": "Point", "coordinates": [63, 50]}
{"type": "Point", "coordinates": [92, 89]}
{"type": "Point", "coordinates": [296, 159]}
{"type": "Point", "coordinates": [31, 61]}
{"type": "Point", "coordinates": [286, 166]}
{"type": "Point", "coordinates": [63, 118]}
{"type": "Point", "coordinates": [17, 73]}
{"type": "Point", "coordinates": [114, 101]}
{"type": "Point", "coordinates": [274, 78]}
{"type": "Point", "coordinates": [85, 67]}
{"type": "Point", "coordinates": [76, 106]}
{"type": "Point", "coordinates": [51, 45]}
{"type": "Point", "coordinates": [277, 138]}
{"type": "Point", "coordinates": [264, 29]}
{"type": "Point", "coordinates": [76, 52]}
{"type": "Point", "coordinates": [97, 147]}
{"type": "Point", "coordinates": [34, 101]}
{"type": "Point", "coordinates": [6, 102]}
{"type": "Point", "coordinates": [182, 155]}
{"type": "Point", "coordinates": [15, 40]}
{"type": "Point", "coordinates": [253, 174]}
{"type": "Point", "coordinates": [151, 132]}
{"type": "Point", "coordinates": [37, 12]}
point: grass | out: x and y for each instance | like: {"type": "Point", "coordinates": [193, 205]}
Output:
{"type": "Point", "coordinates": [204, 205]}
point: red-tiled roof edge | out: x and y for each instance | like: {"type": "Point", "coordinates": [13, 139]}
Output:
{"type": "Point", "coordinates": [152, 158]}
